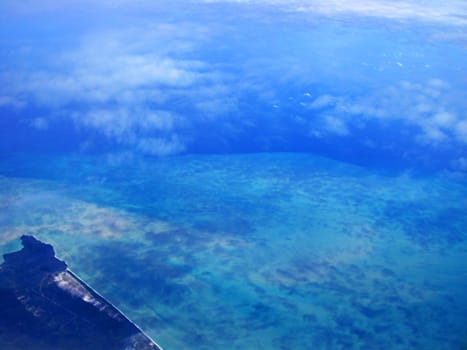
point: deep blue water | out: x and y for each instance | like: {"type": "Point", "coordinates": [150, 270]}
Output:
{"type": "Point", "coordinates": [188, 77]}
{"type": "Point", "coordinates": [246, 174]}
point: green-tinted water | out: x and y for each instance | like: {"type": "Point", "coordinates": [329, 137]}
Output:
{"type": "Point", "coordinates": [272, 251]}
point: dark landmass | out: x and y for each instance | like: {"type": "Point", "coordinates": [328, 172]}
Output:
{"type": "Point", "coordinates": [43, 305]}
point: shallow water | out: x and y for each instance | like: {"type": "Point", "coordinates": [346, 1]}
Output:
{"type": "Point", "coordinates": [273, 251]}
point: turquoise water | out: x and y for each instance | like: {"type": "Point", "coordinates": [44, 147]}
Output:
{"type": "Point", "coordinates": [259, 251]}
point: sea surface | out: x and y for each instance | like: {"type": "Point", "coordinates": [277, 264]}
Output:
{"type": "Point", "coordinates": [254, 251]}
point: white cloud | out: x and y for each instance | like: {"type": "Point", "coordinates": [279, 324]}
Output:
{"type": "Point", "coordinates": [33, 7]}
{"type": "Point", "coordinates": [461, 131]}
{"type": "Point", "coordinates": [452, 12]}
{"type": "Point", "coordinates": [444, 119]}
{"type": "Point", "coordinates": [159, 146]}
{"type": "Point", "coordinates": [426, 106]}
{"type": "Point", "coordinates": [123, 122]}
{"type": "Point", "coordinates": [161, 120]}
{"type": "Point", "coordinates": [335, 125]}
{"type": "Point", "coordinates": [142, 86]}
{"type": "Point", "coordinates": [11, 101]}
{"type": "Point", "coordinates": [431, 135]}
{"type": "Point", "coordinates": [323, 101]}
{"type": "Point", "coordinates": [118, 83]}
{"type": "Point", "coordinates": [111, 67]}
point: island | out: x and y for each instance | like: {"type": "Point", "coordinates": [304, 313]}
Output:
{"type": "Point", "coordinates": [45, 306]}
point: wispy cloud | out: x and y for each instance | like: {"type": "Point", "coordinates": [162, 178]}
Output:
{"type": "Point", "coordinates": [452, 12]}
{"type": "Point", "coordinates": [335, 125]}
{"type": "Point", "coordinates": [11, 101]}
{"type": "Point", "coordinates": [120, 83]}
{"type": "Point", "coordinates": [427, 106]}
{"type": "Point", "coordinates": [156, 85]}
{"type": "Point", "coordinates": [115, 66]}
{"type": "Point", "coordinates": [160, 146]}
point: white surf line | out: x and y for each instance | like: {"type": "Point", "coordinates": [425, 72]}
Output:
{"type": "Point", "coordinates": [116, 308]}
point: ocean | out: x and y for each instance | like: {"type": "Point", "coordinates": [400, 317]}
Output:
{"type": "Point", "coordinates": [250, 251]}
